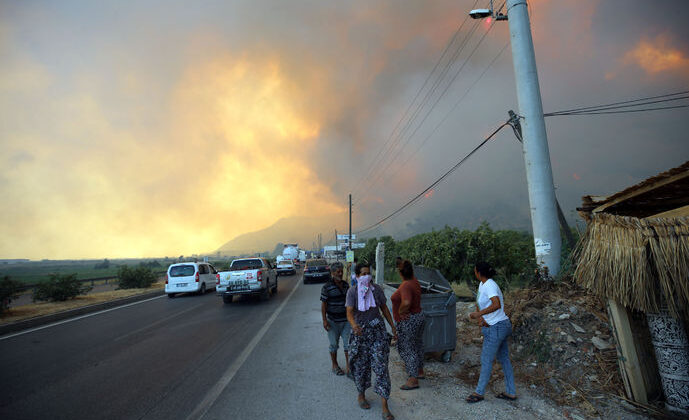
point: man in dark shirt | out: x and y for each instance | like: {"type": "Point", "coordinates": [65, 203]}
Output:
{"type": "Point", "coordinates": [333, 296]}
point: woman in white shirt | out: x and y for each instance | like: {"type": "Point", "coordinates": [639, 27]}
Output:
{"type": "Point", "coordinates": [496, 328]}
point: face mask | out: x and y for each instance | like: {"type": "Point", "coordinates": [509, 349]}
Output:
{"type": "Point", "coordinates": [365, 279]}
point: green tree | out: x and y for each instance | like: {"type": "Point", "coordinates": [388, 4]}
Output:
{"type": "Point", "coordinates": [454, 252]}
{"type": "Point", "coordinates": [9, 289]}
{"type": "Point", "coordinates": [140, 277]}
{"type": "Point", "coordinates": [60, 287]}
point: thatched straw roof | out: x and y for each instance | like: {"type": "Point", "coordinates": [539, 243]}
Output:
{"type": "Point", "coordinates": [637, 262]}
{"type": "Point", "coordinates": [629, 255]}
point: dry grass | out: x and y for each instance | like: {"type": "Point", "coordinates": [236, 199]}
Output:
{"type": "Point", "coordinates": [46, 308]}
{"type": "Point", "coordinates": [528, 308]}
{"type": "Point", "coordinates": [461, 289]}
{"type": "Point", "coordinates": [640, 263]}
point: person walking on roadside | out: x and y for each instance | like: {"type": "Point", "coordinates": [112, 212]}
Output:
{"type": "Point", "coordinates": [406, 309]}
{"type": "Point", "coordinates": [334, 313]}
{"type": "Point", "coordinates": [496, 328]}
{"type": "Point", "coordinates": [369, 346]}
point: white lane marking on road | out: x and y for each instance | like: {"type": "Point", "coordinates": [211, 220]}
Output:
{"type": "Point", "coordinates": [77, 318]}
{"type": "Point", "coordinates": [205, 405]}
{"type": "Point", "coordinates": [158, 322]}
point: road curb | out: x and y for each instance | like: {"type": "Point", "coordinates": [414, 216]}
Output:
{"type": "Point", "coordinates": [59, 316]}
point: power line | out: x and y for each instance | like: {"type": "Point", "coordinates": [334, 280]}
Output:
{"type": "Point", "coordinates": [445, 50]}
{"type": "Point", "coordinates": [420, 124]}
{"type": "Point", "coordinates": [435, 183]}
{"type": "Point", "coordinates": [447, 115]}
{"type": "Point", "coordinates": [377, 172]}
{"type": "Point", "coordinates": [615, 104]}
{"type": "Point", "coordinates": [616, 112]}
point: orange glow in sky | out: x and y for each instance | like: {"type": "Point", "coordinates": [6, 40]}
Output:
{"type": "Point", "coordinates": [657, 55]}
{"type": "Point", "coordinates": [229, 155]}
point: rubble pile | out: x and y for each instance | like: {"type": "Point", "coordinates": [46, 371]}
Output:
{"type": "Point", "coordinates": [561, 346]}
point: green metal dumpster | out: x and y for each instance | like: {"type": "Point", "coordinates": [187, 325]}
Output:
{"type": "Point", "coordinates": [438, 303]}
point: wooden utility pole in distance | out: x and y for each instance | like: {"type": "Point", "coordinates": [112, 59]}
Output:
{"type": "Point", "coordinates": [349, 245]}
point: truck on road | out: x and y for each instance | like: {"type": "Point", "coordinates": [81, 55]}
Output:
{"type": "Point", "coordinates": [247, 276]}
{"type": "Point", "coordinates": [291, 252]}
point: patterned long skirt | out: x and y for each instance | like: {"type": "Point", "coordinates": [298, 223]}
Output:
{"type": "Point", "coordinates": [410, 343]}
{"type": "Point", "coordinates": [370, 351]}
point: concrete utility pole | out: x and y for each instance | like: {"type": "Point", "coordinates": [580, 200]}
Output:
{"type": "Point", "coordinates": [349, 245]}
{"type": "Point", "coordinates": [380, 263]}
{"type": "Point", "coordinates": [539, 175]}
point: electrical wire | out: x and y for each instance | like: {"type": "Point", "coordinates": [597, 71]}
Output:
{"type": "Point", "coordinates": [445, 50]}
{"type": "Point", "coordinates": [376, 173]}
{"type": "Point", "coordinates": [447, 115]}
{"type": "Point", "coordinates": [380, 169]}
{"type": "Point", "coordinates": [416, 198]}
{"type": "Point", "coordinates": [623, 104]}
{"type": "Point", "coordinates": [420, 124]}
{"type": "Point", "coordinates": [617, 112]}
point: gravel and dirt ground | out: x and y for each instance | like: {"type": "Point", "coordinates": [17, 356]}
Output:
{"type": "Point", "coordinates": [563, 356]}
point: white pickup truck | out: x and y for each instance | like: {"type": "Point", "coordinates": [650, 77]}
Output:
{"type": "Point", "coordinates": [247, 276]}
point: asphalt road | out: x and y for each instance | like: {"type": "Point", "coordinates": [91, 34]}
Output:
{"type": "Point", "coordinates": [188, 357]}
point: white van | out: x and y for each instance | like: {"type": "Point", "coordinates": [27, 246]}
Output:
{"type": "Point", "coordinates": [190, 277]}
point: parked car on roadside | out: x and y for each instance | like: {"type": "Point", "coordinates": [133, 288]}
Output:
{"type": "Point", "coordinates": [190, 277]}
{"type": "Point", "coordinates": [316, 270]}
{"type": "Point", "coordinates": [247, 276]}
{"type": "Point", "coordinates": [286, 266]}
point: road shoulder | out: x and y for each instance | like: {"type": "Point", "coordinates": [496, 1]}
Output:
{"type": "Point", "coordinates": [38, 321]}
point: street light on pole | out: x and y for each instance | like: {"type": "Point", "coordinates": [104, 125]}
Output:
{"type": "Point", "coordinates": [539, 175]}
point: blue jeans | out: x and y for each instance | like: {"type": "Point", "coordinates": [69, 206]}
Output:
{"type": "Point", "coordinates": [495, 345]}
{"type": "Point", "coordinates": [337, 330]}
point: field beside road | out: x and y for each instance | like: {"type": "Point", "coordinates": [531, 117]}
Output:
{"type": "Point", "coordinates": [32, 310]}
{"type": "Point", "coordinates": [36, 272]}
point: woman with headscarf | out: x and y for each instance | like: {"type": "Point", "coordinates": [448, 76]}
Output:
{"type": "Point", "coordinates": [369, 345]}
{"type": "Point", "coordinates": [496, 328]}
{"type": "Point", "coordinates": [406, 309]}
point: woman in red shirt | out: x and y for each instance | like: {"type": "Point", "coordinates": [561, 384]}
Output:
{"type": "Point", "coordinates": [406, 309]}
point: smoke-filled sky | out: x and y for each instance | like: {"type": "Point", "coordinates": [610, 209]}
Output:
{"type": "Point", "coordinates": [150, 128]}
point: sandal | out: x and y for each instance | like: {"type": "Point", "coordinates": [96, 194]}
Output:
{"type": "Point", "coordinates": [504, 396]}
{"type": "Point", "coordinates": [338, 371]}
{"type": "Point", "coordinates": [474, 398]}
{"type": "Point", "coordinates": [388, 416]}
{"type": "Point", "coordinates": [364, 404]}
{"type": "Point", "coordinates": [406, 387]}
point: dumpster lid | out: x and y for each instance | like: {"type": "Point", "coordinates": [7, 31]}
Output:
{"type": "Point", "coordinates": [431, 280]}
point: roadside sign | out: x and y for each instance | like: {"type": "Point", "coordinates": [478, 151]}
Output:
{"type": "Point", "coordinates": [345, 237]}
{"type": "Point", "coordinates": [350, 256]}
{"type": "Point", "coordinates": [358, 245]}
